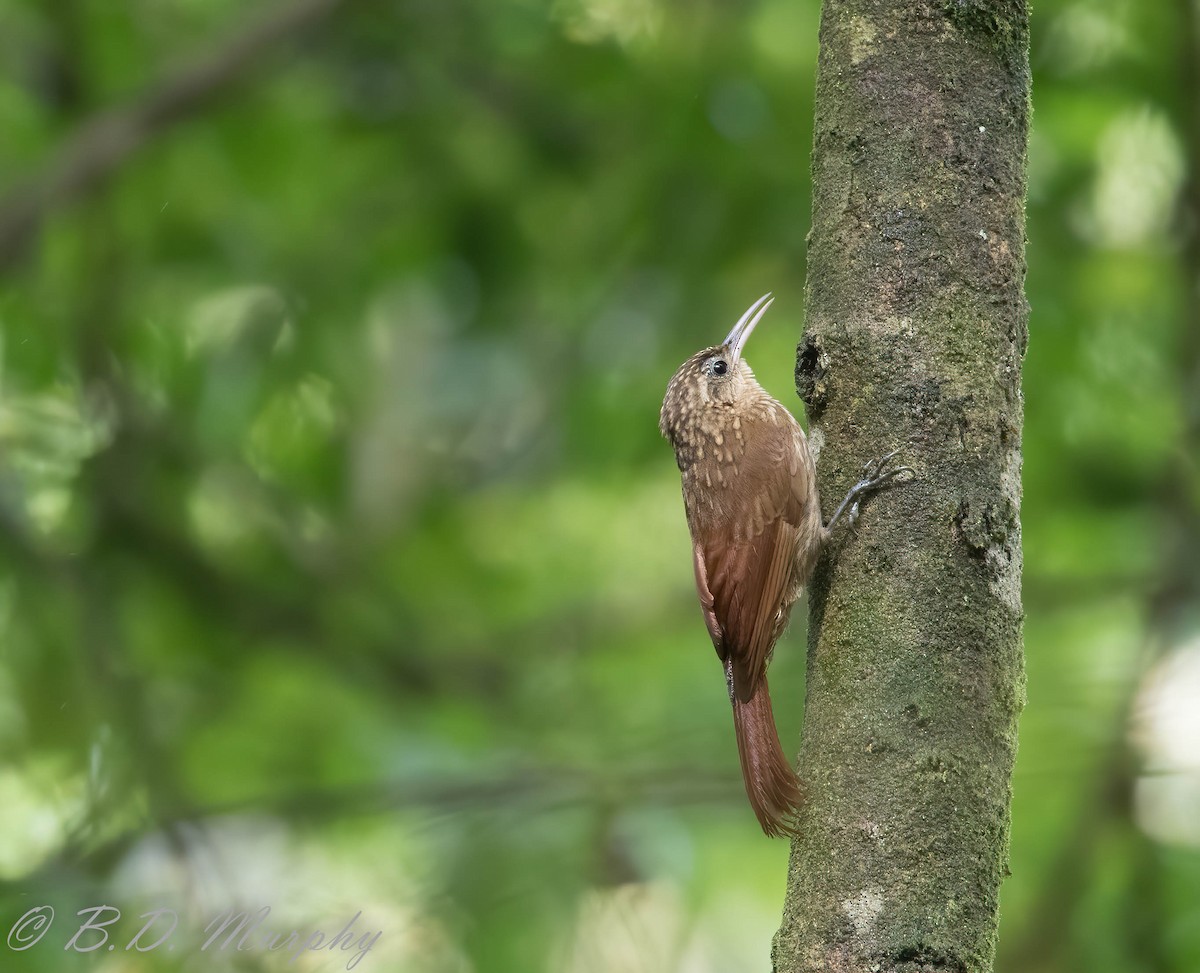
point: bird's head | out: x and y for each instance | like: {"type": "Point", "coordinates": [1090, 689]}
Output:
{"type": "Point", "coordinates": [715, 378]}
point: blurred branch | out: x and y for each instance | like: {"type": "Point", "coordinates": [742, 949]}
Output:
{"type": "Point", "coordinates": [544, 789]}
{"type": "Point", "coordinates": [539, 791]}
{"type": "Point", "coordinates": [1042, 942]}
{"type": "Point", "coordinates": [252, 607]}
{"type": "Point", "coordinates": [248, 606]}
{"type": "Point", "coordinates": [1169, 602]}
{"type": "Point", "coordinates": [1183, 486]}
{"type": "Point", "coordinates": [103, 142]}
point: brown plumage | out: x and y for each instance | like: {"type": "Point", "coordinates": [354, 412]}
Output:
{"type": "Point", "coordinates": [750, 494]}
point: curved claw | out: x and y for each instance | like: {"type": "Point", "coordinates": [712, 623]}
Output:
{"type": "Point", "coordinates": [880, 478]}
{"type": "Point", "coordinates": [872, 467]}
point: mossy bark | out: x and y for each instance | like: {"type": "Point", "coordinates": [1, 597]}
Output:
{"type": "Point", "coordinates": [915, 335]}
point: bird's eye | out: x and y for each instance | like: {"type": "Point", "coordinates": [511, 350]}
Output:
{"type": "Point", "coordinates": [719, 367]}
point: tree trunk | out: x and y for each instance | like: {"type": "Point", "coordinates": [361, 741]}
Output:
{"type": "Point", "coordinates": [916, 331]}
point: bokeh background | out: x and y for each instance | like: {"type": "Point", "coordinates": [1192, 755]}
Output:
{"type": "Point", "coordinates": [342, 567]}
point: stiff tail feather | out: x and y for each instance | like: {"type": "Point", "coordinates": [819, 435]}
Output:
{"type": "Point", "coordinates": [771, 783]}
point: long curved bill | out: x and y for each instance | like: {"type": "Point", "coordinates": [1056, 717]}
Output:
{"type": "Point", "coordinates": [741, 331]}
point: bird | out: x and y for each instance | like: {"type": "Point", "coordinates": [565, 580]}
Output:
{"type": "Point", "coordinates": [750, 497]}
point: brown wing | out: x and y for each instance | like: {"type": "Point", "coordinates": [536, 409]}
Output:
{"type": "Point", "coordinates": [745, 557]}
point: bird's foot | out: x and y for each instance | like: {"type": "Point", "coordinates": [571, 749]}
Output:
{"type": "Point", "coordinates": [876, 474]}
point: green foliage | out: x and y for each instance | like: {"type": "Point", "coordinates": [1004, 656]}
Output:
{"type": "Point", "coordinates": [342, 568]}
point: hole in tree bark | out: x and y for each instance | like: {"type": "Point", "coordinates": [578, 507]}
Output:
{"type": "Point", "coordinates": [812, 365]}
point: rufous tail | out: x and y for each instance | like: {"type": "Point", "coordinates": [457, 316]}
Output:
{"type": "Point", "coordinates": [771, 783]}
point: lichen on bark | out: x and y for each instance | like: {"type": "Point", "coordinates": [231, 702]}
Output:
{"type": "Point", "coordinates": [915, 336]}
